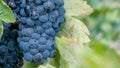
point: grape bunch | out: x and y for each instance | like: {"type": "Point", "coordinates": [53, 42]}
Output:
{"type": "Point", "coordinates": [39, 22]}
{"type": "Point", "coordinates": [10, 53]}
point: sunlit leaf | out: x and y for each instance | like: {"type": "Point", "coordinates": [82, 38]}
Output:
{"type": "Point", "coordinates": [77, 8]}
{"type": "Point", "coordinates": [46, 66]}
{"type": "Point", "coordinates": [93, 56]}
{"type": "Point", "coordinates": [75, 28]}
{"type": "Point", "coordinates": [69, 52]}
{"type": "Point", "coordinates": [6, 14]}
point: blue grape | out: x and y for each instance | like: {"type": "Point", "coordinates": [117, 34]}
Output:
{"type": "Point", "coordinates": [50, 32]}
{"type": "Point", "coordinates": [46, 54]}
{"type": "Point", "coordinates": [50, 45]}
{"type": "Point", "coordinates": [42, 40]}
{"type": "Point", "coordinates": [34, 51]}
{"type": "Point", "coordinates": [58, 2]}
{"type": "Point", "coordinates": [35, 36]}
{"type": "Point", "coordinates": [47, 25]}
{"type": "Point", "coordinates": [49, 5]}
{"type": "Point", "coordinates": [41, 9]}
{"type": "Point", "coordinates": [39, 22]}
{"type": "Point", "coordinates": [27, 31]}
{"type": "Point", "coordinates": [23, 19]}
{"type": "Point", "coordinates": [61, 11]}
{"type": "Point", "coordinates": [43, 18]}
{"type": "Point", "coordinates": [39, 29]}
{"type": "Point", "coordinates": [56, 24]}
{"type": "Point", "coordinates": [19, 39]}
{"type": "Point", "coordinates": [23, 4]}
{"type": "Point", "coordinates": [33, 43]}
{"type": "Point", "coordinates": [38, 57]}
{"type": "Point", "coordinates": [45, 35]}
{"type": "Point", "coordinates": [53, 16]}
{"type": "Point", "coordinates": [10, 53]}
{"type": "Point", "coordinates": [41, 48]}
{"type": "Point", "coordinates": [24, 46]}
{"type": "Point", "coordinates": [11, 45]}
{"type": "Point", "coordinates": [44, 0]}
{"type": "Point", "coordinates": [52, 53]}
{"type": "Point", "coordinates": [28, 57]}
{"type": "Point", "coordinates": [61, 19]}
{"type": "Point", "coordinates": [38, 2]}
{"type": "Point", "coordinates": [25, 39]}
{"type": "Point", "coordinates": [11, 4]}
{"type": "Point", "coordinates": [3, 49]}
{"type": "Point", "coordinates": [21, 26]}
{"type": "Point", "coordinates": [14, 33]}
{"type": "Point", "coordinates": [29, 22]}
{"type": "Point", "coordinates": [22, 12]}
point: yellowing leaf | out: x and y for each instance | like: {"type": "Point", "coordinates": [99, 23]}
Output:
{"type": "Point", "coordinates": [75, 28]}
{"type": "Point", "coordinates": [77, 8]}
{"type": "Point", "coordinates": [69, 52]}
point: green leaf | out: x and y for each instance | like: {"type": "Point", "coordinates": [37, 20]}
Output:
{"type": "Point", "coordinates": [6, 14]}
{"type": "Point", "coordinates": [77, 8]}
{"type": "Point", "coordinates": [69, 52]}
{"type": "Point", "coordinates": [1, 29]}
{"type": "Point", "coordinates": [72, 55]}
{"type": "Point", "coordinates": [75, 28]}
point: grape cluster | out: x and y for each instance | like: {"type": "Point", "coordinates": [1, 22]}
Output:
{"type": "Point", "coordinates": [10, 53]}
{"type": "Point", "coordinates": [40, 20]}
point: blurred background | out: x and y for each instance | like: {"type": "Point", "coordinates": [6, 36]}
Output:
{"type": "Point", "coordinates": [104, 22]}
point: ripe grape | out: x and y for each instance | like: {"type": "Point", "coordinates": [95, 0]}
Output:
{"type": "Point", "coordinates": [39, 22]}
{"type": "Point", "coordinates": [10, 52]}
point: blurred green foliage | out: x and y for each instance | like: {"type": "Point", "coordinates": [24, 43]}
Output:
{"type": "Point", "coordinates": [104, 22]}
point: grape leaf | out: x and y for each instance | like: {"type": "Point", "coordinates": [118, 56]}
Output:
{"type": "Point", "coordinates": [69, 52]}
{"type": "Point", "coordinates": [108, 55]}
{"type": "Point", "coordinates": [72, 55]}
{"type": "Point", "coordinates": [1, 29]}
{"type": "Point", "coordinates": [77, 8]}
{"type": "Point", "coordinates": [75, 28]}
{"type": "Point", "coordinates": [6, 14]}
